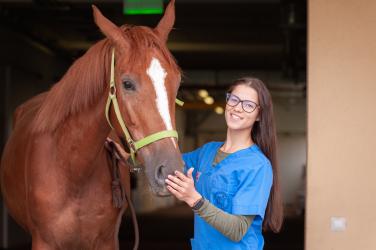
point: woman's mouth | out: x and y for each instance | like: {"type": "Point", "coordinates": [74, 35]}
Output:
{"type": "Point", "coordinates": [235, 117]}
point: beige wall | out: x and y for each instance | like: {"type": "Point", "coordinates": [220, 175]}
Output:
{"type": "Point", "coordinates": [341, 124]}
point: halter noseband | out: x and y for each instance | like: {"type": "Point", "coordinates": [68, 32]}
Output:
{"type": "Point", "coordinates": [134, 146]}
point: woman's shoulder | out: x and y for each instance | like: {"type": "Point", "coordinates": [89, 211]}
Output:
{"type": "Point", "coordinates": [252, 156]}
{"type": "Point", "coordinates": [204, 149]}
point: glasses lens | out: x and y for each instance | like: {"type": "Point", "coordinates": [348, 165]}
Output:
{"type": "Point", "coordinates": [249, 106]}
{"type": "Point", "coordinates": [232, 100]}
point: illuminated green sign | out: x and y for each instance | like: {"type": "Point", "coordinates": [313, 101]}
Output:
{"type": "Point", "coordinates": [142, 7]}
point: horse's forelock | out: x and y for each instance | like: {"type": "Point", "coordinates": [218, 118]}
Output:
{"type": "Point", "coordinates": [141, 38]}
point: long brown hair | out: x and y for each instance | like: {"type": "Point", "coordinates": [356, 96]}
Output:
{"type": "Point", "coordinates": [264, 135]}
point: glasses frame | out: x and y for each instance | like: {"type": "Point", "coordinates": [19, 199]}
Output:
{"type": "Point", "coordinates": [228, 95]}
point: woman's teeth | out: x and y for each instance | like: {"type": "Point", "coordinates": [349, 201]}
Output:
{"type": "Point", "coordinates": [236, 117]}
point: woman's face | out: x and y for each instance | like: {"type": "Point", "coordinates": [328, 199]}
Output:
{"type": "Point", "coordinates": [236, 117]}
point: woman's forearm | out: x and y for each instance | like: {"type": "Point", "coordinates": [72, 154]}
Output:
{"type": "Point", "coordinates": [232, 226]}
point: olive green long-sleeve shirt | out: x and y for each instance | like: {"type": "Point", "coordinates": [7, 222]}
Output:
{"type": "Point", "coordinates": [232, 226]}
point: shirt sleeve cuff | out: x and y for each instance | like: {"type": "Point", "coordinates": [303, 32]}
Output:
{"type": "Point", "coordinates": [248, 210]}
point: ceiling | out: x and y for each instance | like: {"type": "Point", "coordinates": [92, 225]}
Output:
{"type": "Point", "coordinates": [209, 34]}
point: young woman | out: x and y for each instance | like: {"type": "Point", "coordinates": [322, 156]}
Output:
{"type": "Point", "coordinates": [233, 186]}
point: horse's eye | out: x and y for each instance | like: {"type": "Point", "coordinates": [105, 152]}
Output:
{"type": "Point", "coordinates": [128, 85]}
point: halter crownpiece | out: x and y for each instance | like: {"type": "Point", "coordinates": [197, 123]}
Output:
{"type": "Point", "coordinates": [134, 146]}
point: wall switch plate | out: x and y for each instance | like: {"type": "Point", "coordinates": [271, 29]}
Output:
{"type": "Point", "coordinates": [338, 224]}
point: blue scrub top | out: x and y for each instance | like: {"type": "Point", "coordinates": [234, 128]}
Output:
{"type": "Point", "coordinates": [240, 184]}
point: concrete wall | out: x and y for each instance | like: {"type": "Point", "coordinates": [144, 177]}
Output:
{"type": "Point", "coordinates": [341, 125]}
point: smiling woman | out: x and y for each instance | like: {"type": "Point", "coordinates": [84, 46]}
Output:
{"type": "Point", "coordinates": [233, 186]}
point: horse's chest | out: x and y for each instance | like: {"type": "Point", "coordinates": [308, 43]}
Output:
{"type": "Point", "coordinates": [76, 226]}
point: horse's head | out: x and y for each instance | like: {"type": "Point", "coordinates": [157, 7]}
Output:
{"type": "Point", "coordinates": [146, 81]}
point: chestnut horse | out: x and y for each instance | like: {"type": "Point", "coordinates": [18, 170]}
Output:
{"type": "Point", "coordinates": [55, 175]}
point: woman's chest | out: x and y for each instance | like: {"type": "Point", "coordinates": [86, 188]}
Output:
{"type": "Point", "coordinates": [218, 185]}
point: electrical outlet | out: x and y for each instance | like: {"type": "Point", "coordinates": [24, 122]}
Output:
{"type": "Point", "coordinates": [338, 224]}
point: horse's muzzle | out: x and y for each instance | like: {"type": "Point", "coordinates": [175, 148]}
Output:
{"type": "Point", "coordinates": [161, 175]}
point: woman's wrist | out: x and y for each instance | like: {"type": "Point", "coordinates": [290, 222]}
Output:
{"type": "Point", "coordinates": [193, 201]}
{"type": "Point", "coordinates": [198, 205]}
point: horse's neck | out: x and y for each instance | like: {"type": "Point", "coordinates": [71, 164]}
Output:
{"type": "Point", "coordinates": [81, 138]}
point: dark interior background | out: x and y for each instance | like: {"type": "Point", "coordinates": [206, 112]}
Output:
{"type": "Point", "coordinates": [40, 38]}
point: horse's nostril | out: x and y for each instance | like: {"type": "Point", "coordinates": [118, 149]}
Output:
{"type": "Point", "coordinates": [160, 173]}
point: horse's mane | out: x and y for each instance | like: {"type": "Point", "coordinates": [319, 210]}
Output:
{"type": "Point", "coordinates": [87, 78]}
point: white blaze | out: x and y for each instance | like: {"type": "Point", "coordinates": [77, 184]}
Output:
{"type": "Point", "coordinates": [157, 75]}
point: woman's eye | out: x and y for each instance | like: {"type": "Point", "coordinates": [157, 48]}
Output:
{"type": "Point", "coordinates": [128, 85]}
{"type": "Point", "coordinates": [250, 105]}
{"type": "Point", "coordinates": [233, 100]}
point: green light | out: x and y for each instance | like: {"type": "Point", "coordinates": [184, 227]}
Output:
{"type": "Point", "coordinates": [142, 7]}
{"type": "Point", "coordinates": [142, 11]}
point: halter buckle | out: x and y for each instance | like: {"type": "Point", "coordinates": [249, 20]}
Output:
{"type": "Point", "coordinates": [135, 169]}
{"type": "Point", "coordinates": [134, 166]}
{"type": "Point", "coordinates": [131, 145]}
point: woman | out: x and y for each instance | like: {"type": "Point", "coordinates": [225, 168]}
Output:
{"type": "Point", "coordinates": [233, 186]}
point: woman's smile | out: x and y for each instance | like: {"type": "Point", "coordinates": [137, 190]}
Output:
{"type": "Point", "coordinates": [235, 116]}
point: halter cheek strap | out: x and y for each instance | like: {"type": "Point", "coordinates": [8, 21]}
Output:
{"type": "Point", "coordinates": [134, 146]}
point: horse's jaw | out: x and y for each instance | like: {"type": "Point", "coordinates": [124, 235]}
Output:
{"type": "Point", "coordinates": [162, 193]}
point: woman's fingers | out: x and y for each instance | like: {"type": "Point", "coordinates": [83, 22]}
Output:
{"type": "Point", "coordinates": [177, 180]}
{"type": "Point", "coordinates": [119, 149]}
{"type": "Point", "coordinates": [189, 173]}
{"type": "Point", "coordinates": [175, 186]}
{"type": "Point", "coordinates": [182, 186]}
{"type": "Point", "coordinates": [174, 192]}
{"type": "Point", "coordinates": [181, 176]}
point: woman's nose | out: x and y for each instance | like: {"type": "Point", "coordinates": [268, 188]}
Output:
{"type": "Point", "coordinates": [238, 107]}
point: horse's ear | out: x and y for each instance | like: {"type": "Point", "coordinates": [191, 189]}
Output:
{"type": "Point", "coordinates": [109, 29]}
{"type": "Point", "coordinates": [167, 22]}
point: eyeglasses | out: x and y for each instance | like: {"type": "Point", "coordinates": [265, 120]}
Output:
{"type": "Point", "coordinates": [248, 106]}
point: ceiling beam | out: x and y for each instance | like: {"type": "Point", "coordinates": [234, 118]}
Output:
{"type": "Point", "coordinates": [193, 47]}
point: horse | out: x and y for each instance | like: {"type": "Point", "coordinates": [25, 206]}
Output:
{"type": "Point", "coordinates": [55, 170]}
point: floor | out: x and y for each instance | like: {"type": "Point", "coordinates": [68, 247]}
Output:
{"type": "Point", "coordinates": [170, 229]}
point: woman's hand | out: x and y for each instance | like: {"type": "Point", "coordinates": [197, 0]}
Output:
{"type": "Point", "coordinates": [182, 187]}
{"type": "Point", "coordinates": [119, 151]}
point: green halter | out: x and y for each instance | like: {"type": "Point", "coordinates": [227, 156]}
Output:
{"type": "Point", "coordinates": [134, 146]}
